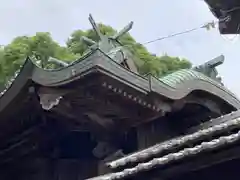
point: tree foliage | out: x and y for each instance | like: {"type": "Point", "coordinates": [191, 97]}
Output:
{"type": "Point", "coordinates": [41, 46]}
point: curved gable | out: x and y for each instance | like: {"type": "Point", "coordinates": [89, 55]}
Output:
{"type": "Point", "coordinates": [182, 83]}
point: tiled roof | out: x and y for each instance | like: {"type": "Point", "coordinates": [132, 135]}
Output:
{"type": "Point", "coordinates": [183, 75]}
{"type": "Point", "coordinates": [171, 157]}
{"type": "Point", "coordinates": [178, 155]}
{"type": "Point", "coordinates": [234, 121]}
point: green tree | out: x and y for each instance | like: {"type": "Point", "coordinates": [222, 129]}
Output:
{"type": "Point", "coordinates": [74, 43]}
{"type": "Point", "coordinates": [15, 53]}
{"type": "Point", "coordinates": [42, 46]}
{"type": "Point", "coordinates": [77, 46]}
{"type": "Point", "coordinates": [2, 70]}
{"type": "Point", "coordinates": [172, 64]}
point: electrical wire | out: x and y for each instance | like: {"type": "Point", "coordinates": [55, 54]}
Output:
{"type": "Point", "coordinates": [207, 26]}
{"type": "Point", "coordinates": [172, 35]}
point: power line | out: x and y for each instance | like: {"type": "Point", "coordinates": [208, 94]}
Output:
{"type": "Point", "coordinates": [208, 26]}
{"type": "Point", "coordinates": [171, 35]}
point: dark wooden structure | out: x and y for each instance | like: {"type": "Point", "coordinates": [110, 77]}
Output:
{"type": "Point", "coordinates": [70, 123]}
{"type": "Point", "coordinates": [208, 153]}
{"type": "Point", "coordinates": [228, 13]}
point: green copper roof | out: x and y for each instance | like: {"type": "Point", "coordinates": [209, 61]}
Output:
{"type": "Point", "coordinates": [178, 77]}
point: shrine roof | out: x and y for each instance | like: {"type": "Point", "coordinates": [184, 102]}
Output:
{"type": "Point", "coordinates": [174, 86]}
{"type": "Point", "coordinates": [107, 66]}
{"type": "Point", "coordinates": [178, 149]}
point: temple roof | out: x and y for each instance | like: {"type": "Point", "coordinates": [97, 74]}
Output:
{"type": "Point", "coordinates": [175, 150]}
{"type": "Point", "coordinates": [110, 62]}
{"type": "Point", "coordinates": [174, 86]}
{"type": "Point", "coordinates": [117, 78]}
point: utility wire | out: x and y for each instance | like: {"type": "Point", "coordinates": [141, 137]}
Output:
{"type": "Point", "coordinates": [172, 35]}
{"type": "Point", "coordinates": [207, 26]}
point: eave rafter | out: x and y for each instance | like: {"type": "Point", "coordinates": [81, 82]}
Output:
{"type": "Point", "coordinates": [131, 97]}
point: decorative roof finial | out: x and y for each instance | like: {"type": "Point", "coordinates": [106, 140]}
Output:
{"type": "Point", "coordinates": [106, 43]}
{"type": "Point", "coordinates": [57, 62]}
{"type": "Point", "coordinates": [209, 68]}
{"type": "Point", "coordinates": [88, 41]}
{"type": "Point", "coordinates": [110, 44]}
{"type": "Point", "coordinates": [95, 27]}
{"type": "Point", "coordinates": [123, 31]}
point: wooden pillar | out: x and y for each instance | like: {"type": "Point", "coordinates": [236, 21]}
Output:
{"type": "Point", "coordinates": [154, 132]}
{"type": "Point", "coordinates": [72, 169]}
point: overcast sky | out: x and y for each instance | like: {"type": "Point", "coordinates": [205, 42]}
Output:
{"type": "Point", "coordinates": [152, 19]}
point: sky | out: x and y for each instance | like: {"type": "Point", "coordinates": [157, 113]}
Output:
{"type": "Point", "coordinates": [152, 19]}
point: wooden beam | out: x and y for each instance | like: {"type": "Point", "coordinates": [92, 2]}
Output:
{"type": "Point", "coordinates": [103, 129]}
{"type": "Point", "coordinates": [32, 142]}
{"type": "Point", "coordinates": [105, 123]}
{"type": "Point", "coordinates": [68, 119]}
